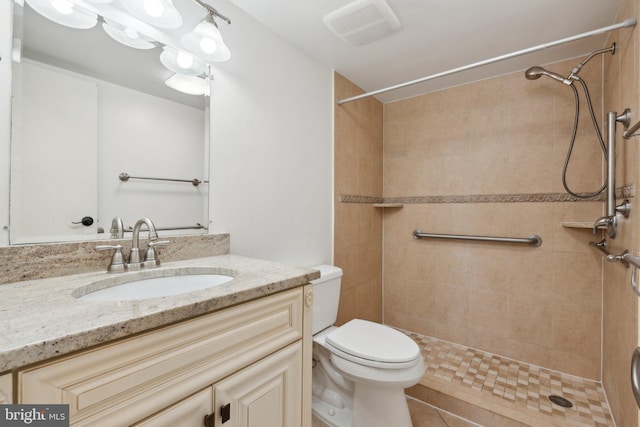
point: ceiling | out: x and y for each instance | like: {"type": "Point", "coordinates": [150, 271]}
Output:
{"type": "Point", "coordinates": [435, 36]}
{"type": "Point", "coordinates": [439, 35]}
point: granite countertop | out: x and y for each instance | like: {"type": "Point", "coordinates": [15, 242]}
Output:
{"type": "Point", "coordinates": [41, 318]}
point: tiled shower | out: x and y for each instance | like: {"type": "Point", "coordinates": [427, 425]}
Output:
{"type": "Point", "coordinates": [485, 159]}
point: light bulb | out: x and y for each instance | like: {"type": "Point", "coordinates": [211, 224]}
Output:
{"type": "Point", "coordinates": [208, 45]}
{"type": "Point", "coordinates": [154, 8]}
{"type": "Point", "coordinates": [184, 60]}
{"type": "Point", "coordinates": [132, 34]}
{"type": "Point", "coordinates": [64, 7]}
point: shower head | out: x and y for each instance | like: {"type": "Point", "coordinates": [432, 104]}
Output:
{"type": "Point", "coordinates": [535, 72]}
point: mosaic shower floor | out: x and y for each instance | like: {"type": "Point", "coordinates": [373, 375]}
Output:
{"type": "Point", "coordinates": [496, 391]}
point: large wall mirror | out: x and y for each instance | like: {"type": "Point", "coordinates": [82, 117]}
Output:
{"type": "Point", "coordinates": [85, 110]}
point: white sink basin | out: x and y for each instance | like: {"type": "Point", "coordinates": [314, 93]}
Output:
{"type": "Point", "coordinates": [155, 287]}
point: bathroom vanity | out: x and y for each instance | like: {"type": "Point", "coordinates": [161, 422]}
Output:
{"type": "Point", "coordinates": [235, 355]}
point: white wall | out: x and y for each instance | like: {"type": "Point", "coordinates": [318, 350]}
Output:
{"type": "Point", "coordinates": [272, 141]}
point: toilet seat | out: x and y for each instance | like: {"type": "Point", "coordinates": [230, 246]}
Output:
{"type": "Point", "coordinates": [372, 344]}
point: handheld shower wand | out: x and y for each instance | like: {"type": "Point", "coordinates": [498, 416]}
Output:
{"type": "Point", "coordinates": [535, 72]}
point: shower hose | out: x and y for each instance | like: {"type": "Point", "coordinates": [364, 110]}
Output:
{"type": "Point", "coordinates": [573, 140]}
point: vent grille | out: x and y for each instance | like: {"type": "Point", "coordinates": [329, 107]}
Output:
{"type": "Point", "coordinates": [362, 22]}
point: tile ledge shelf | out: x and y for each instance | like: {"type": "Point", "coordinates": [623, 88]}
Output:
{"type": "Point", "coordinates": [388, 205]}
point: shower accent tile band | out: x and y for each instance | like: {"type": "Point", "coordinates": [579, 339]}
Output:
{"type": "Point", "coordinates": [625, 192]}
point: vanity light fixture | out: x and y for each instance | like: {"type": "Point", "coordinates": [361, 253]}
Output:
{"type": "Point", "coordinates": [191, 85]}
{"type": "Point", "coordinates": [182, 62]}
{"type": "Point", "coordinates": [65, 12]}
{"type": "Point", "coordinates": [205, 40]}
{"type": "Point", "coordinates": [187, 56]}
{"type": "Point", "coordinates": [160, 13]}
{"type": "Point", "coordinates": [126, 36]}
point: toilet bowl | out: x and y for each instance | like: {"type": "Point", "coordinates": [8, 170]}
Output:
{"type": "Point", "coordinates": [360, 368]}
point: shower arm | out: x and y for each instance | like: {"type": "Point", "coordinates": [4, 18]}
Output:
{"type": "Point", "coordinates": [574, 73]}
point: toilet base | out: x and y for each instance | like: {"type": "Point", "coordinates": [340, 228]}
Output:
{"type": "Point", "coordinates": [380, 407]}
{"type": "Point", "coordinates": [334, 417]}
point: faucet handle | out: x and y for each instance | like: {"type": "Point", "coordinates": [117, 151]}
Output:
{"type": "Point", "coordinates": [150, 257]}
{"type": "Point", "coordinates": [117, 264]}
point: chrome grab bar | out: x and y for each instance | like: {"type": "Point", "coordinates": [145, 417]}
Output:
{"type": "Point", "coordinates": [124, 177]}
{"type": "Point", "coordinates": [626, 258]}
{"type": "Point", "coordinates": [533, 240]}
{"type": "Point", "coordinates": [198, 226]}
{"type": "Point", "coordinates": [632, 131]}
{"type": "Point", "coordinates": [635, 375]}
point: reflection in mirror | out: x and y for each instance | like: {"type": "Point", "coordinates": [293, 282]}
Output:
{"type": "Point", "coordinates": [86, 109]}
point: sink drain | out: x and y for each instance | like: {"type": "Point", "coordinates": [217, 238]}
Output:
{"type": "Point", "coordinates": [560, 401]}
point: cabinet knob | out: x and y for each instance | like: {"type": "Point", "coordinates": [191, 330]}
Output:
{"type": "Point", "coordinates": [87, 221]}
{"type": "Point", "coordinates": [209, 420]}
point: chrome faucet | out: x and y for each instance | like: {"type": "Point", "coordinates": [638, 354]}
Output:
{"type": "Point", "coordinates": [134, 255]}
{"type": "Point", "coordinates": [611, 222]}
{"type": "Point", "coordinates": [150, 258]}
{"type": "Point", "coordinates": [117, 228]}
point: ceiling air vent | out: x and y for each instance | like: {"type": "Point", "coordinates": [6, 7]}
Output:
{"type": "Point", "coordinates": [362, 22]}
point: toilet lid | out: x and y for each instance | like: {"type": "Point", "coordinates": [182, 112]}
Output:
{"type": "Point", "coordinates": [373, 341]}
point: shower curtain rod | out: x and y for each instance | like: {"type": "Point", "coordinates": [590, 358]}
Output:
{"type": "Point", "coordinates": [624, 24]}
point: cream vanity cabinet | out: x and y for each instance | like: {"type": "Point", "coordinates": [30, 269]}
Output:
{"type": "Point", "coordinates": [247, 365]}
{"type": "Point", "coordinates": [6, 385]}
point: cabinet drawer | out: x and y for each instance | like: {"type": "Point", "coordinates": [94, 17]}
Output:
{"type": "Point", "coordinates": [122, 382]}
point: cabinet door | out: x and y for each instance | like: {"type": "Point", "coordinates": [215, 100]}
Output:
{"type": "Point", "coordinates": [266, 394]}
{"type": "Point", "coordinates": [189, 412]}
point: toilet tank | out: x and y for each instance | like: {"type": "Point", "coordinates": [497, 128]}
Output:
{"type": "Point", "coordinates": [326, 295]}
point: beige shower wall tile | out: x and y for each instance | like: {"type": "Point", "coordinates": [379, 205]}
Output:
{"type": "Point", "coordinates": [396, 292]}
{"type": "Point", "coordinates": [530, 320]}
{"type": "Point", "coordinates": [529, 273]}
{"type": "Point", "coordinates": [452, 333]}
{"type": "Point", "coordinates": [577, 280]}
{"type": "Point", "coordinates": [530, 353]}
{"type": "Point", "coordinates": [576, 364]}
{"type": "Point", "coordinates": [532, 165]}
{"type": "Point", "coordinates": [488, 312]}
{"type": "Point", "coordinates": [415, 175]}
{"type": "Point", "coordinates": [567, 338]}
{"type": "Point", "coordinates": [358, 227]}
{"type": "Point", "coordinates": [452, 306]}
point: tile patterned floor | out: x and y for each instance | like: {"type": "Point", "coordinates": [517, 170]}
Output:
{"type": "Point", "coordinates": [517, 389]}
{"type": "Point", "coordinates": [423, 415]}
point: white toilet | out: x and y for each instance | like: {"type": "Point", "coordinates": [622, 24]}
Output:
{"type": "Point", "coordinates": [360, 368]}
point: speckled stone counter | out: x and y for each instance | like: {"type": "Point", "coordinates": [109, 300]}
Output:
{"type": "Point", "coordinates": [39, 261]}
{"type": "Point", "coordinates": [41, 318]}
